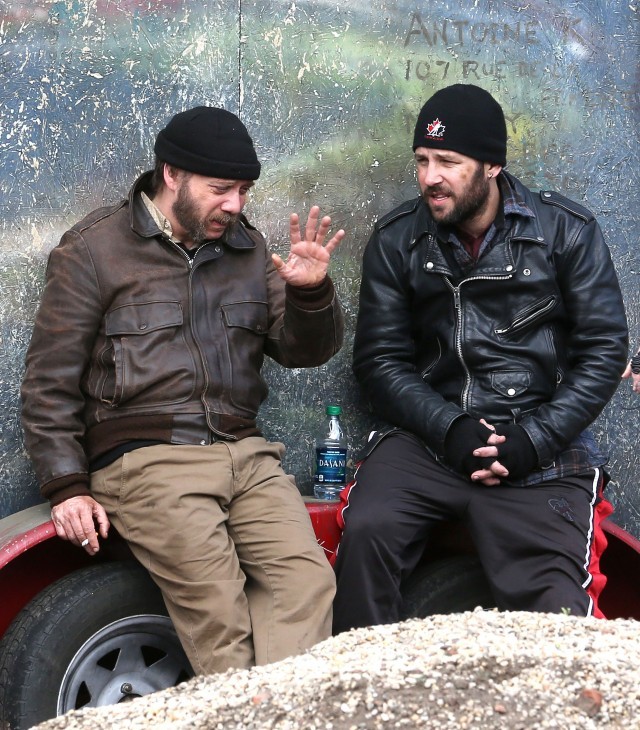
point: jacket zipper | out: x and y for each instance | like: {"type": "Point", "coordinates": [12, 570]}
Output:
{"type": "Point", "coordinates": [182, 253]}
{"type": "Point", "coordinates": [464, 399]}
{"type": "Point", "coordinates": [190, 262]}
{"type": "Point", "coordinates": [524, 320]}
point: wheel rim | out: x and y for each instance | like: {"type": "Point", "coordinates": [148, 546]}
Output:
{"type": "Point", "coordinates": [128, 658]}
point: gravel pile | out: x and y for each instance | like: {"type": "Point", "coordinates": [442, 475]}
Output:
{"type": "Point", "coordinates": [475, 670]}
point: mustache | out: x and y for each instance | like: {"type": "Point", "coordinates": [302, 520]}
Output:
{"type": "Point", "coordinates": [225, 219]}
{"type": "Point", "coordinates": [433, 189]}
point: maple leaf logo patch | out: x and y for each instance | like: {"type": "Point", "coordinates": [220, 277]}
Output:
{"type": "Point", "coordinates": [435, 129]}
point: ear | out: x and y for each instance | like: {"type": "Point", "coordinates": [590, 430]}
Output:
{"type": "Point", "coordinates": [492, 170]}
{"type": "Point", "coordinates": [171, 176]}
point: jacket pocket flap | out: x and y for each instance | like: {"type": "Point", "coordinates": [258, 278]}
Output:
{"type": "Point", "coordinates": [510, 382]}
{"type": "Point", "coordinates": [250, 315]}
{"type": "Point", "coordinates": [136, 319]}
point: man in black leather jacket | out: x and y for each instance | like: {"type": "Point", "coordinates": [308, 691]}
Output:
{"type": "Point", "coordinates": [491, 333]}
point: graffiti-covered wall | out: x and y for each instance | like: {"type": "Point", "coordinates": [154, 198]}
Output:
{"type": "Point", "coordinates": [330, 92]}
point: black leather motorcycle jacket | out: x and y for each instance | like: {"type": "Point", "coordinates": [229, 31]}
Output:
{"type": "Point", "coordinates": [536, 333]}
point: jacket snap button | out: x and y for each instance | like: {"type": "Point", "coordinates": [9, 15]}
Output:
{"type": "Point", "coordinates": [546, 195]}
{"type": "Point", "coordinates": [217, 249]}
{"type": "Point", "coordinates": [527, 272]}
{"type": "Point", "coordinates": [509, 268]}
{"type": "Point", "coordinates": [143, 326]}
{"type": "Point", "coordinates": [511, 391]}
{"type": "Point", "coordinates": [429, 264]}
{"type": "Point", "coordinates": [203, 443]}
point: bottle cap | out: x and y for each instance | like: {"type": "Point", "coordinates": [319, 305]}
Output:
{"type": "Point", "coordinates": [334, 410]}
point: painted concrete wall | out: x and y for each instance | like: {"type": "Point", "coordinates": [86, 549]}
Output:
{"type": "Point", "coordinates": [330, 92]}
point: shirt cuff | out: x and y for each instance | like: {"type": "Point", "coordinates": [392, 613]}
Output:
{"type": "Point", "coordinates": [311, 298]}
{"type": "Point", "coordinates": [58, 490]}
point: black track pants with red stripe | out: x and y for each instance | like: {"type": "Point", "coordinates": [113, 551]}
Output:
{"type": "Point", "coordinates": [536, 543]}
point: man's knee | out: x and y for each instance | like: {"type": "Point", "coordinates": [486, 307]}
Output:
{"type": "Point", "coordinates": [364, 527]}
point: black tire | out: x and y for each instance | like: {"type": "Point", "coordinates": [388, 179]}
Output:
{"type": "Point", "coordinates": [98, 636]}
{"type": "Point", "coordinates": [452, 585]}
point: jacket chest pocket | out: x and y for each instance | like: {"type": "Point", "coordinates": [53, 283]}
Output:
{"type": "Point", "coordinates": [510, 383]}
{"type": "Point", "coordinates": [527, 317]}
{"type": "Point", "coordinates": [150, 360]}
{"type": "Point", "coordinates": [246, 325]}
{"type": "Point", "coordinates": [251, 316]}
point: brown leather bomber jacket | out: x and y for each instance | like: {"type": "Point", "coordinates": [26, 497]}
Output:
{"type": "Point", "coordinates": [135, 341]}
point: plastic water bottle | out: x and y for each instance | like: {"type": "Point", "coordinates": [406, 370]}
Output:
{"type": "Point", "coordinates": [331, 459]}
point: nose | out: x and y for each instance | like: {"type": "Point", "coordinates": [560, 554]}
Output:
{"type": "Point", "coordinates": [233, 202]}
{"type": "Point", "coordinates": [431, 175]}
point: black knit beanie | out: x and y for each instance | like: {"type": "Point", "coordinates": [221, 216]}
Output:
{"type": "Point", "coordinates": [209, 141]}
{"type": "Point", "coordinates": [466, 119]}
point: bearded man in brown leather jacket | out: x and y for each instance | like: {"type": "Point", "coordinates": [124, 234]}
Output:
{"type": "Point", "coordinates": [490, 335]}
{"type": "Point", "coordinates": [143, 384]}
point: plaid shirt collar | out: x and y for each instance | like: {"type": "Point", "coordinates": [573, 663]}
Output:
{"type": "Point", "coordinates": [513, 205]}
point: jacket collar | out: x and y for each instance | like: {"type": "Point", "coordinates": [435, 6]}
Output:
{"type": "Point", "coordinates": [526, 227]}
{"type": "Point", "coordinates": [499, 260]}
{"type": "Point", "coordinates": [144, 225]}
{"type": "Point", "coordinates": [423, 223]}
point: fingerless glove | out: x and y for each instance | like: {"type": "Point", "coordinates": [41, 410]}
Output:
{"type": "Point", "coordinates": [463, 437]}
{"type": "Point", "coordinates": [517, 453]}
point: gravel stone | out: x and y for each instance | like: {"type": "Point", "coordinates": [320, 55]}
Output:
{"type": "Point", "coordinates": [472, 671]}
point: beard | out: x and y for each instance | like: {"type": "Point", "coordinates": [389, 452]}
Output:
{"type": "Point", "coordinates": [186, 211]}
{"type": "Point", "coordinates": [471, 201]}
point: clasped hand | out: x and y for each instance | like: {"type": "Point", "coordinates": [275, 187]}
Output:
{"type": "Point", "coordinates": [488, 454]}
{"type": "Point", "coordinates": [494, 471]}
{"type": "Point", "coordinates": [308, 260]}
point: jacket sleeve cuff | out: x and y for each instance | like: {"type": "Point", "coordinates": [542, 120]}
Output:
{"type": "Point", "coordinates": [58, 490]}
{"type": "Point", "coordinates": [312, 298]}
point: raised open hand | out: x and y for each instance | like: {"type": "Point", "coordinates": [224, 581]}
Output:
{"type": "Point", "coordinates": [308, 259]}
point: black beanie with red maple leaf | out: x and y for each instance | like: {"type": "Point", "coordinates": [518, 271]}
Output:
{"type": "Point", "coordinates": [466, 119]}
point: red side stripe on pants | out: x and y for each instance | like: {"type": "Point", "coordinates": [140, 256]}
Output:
{"type": "Point", "coordinates": [344, 504]}
{"type": "Point", "coordinates": [601, 511]}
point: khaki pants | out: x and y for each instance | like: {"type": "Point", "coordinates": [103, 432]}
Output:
{"type": "Point", "coordinates": [224, 533]}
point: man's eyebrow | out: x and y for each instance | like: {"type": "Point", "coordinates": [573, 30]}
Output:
{"type": "Point", "coordinates": [439, 156]}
